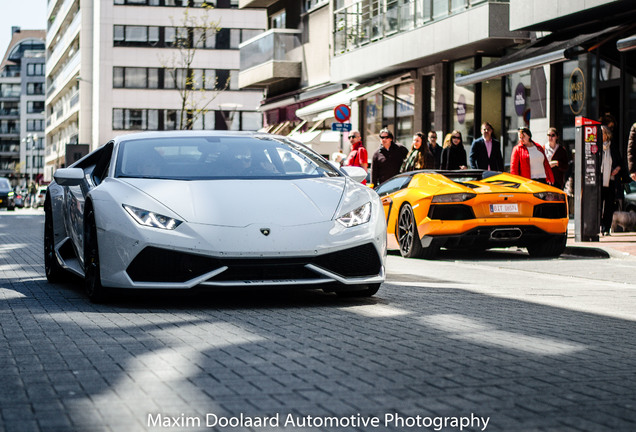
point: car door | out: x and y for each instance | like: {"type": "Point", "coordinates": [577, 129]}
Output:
{"type": "Point", "coordinates": [94, 166]}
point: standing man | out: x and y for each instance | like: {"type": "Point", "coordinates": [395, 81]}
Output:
{"type": "Point", "coordinates": [435, 148]}
{"type": "Point", "coordinates": [388, 159]}
{"type": "Point", "coordinates": [485, 152]}
{"type": "Point", "coordinates": [358, 155]}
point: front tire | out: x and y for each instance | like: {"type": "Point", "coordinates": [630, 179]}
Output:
{"type": "Point", "coordinates": [54, 272]}
{"type": "Point", "coordinates": [95, 292]}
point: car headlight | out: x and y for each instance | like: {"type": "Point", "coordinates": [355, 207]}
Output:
{"type": "Point", "coordinates": [550, 196]}
{"type": "Point", "coordinates": [356, 217]}
{"type": "Point", "coordinates": [455, 197]}
{"type": "Point", "coordinates": [151, 219]}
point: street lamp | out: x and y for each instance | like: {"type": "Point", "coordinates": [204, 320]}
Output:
{"type": "Point", "coordinates": [32, 148]}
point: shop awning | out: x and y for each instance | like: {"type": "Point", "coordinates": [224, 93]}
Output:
{"type": "Point", "coordinates": [542, 52]}
{"type": "Point", "coordinates": [316, 137]}
{"type": "Point", "coordinates": [626, 44]}
{"type": "Point", "coordinates": [323, 109]}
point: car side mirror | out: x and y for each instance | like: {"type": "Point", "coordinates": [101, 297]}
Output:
{"type": "Point", "coordinates": [356, 173]}
{"type": "Point", "coordinates": [69, 176]}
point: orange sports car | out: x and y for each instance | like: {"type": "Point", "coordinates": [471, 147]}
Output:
{"type": "Point", "coordinates": [472, 209]}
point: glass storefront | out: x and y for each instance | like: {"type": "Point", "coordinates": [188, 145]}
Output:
{"type": "Point", "coordinates": [393, 108]}
{"type": "Point", "coordinates": [462, 115]}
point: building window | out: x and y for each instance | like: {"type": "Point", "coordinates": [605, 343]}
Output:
{"type": "Point", "coordinates": [155, 78]}
{"type": "Point", "coordinates": [170, 37]}
{"type": "Point", "coordinates": [35, 69]}
{"type": "Point", "coordinates": [166, 119]}
{"type": "Point", "coordinates": [35, 125]}
{"type": "Point", "coordinates": [35, 107]}
{"type": "Point", "coordinates": [278, 20]}
{"type": "Point", "coordinates": [218, 4]}
{"type": "Point", "coordinates": [35, 88]}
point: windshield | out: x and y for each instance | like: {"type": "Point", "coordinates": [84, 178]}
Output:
{"type": "Point", "coordinates": [206, 157]}
{"type": "Point", "coordinates": [4, 184]}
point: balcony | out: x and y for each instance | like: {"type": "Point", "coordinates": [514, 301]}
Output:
{"type": "Point", "coordinates": [256, 3]}
{"type": "Point", "coordinates": [270, 57]}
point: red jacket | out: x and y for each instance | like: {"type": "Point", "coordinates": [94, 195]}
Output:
{"type": "Point", "coordinates": [520, 162]}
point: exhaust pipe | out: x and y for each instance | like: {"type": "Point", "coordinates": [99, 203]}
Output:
{"type": "Point", "coordinates": [503, 234]}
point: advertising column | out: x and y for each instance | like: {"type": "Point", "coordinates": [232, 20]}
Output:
{"type": "Point", "coordinates": [587, 166]}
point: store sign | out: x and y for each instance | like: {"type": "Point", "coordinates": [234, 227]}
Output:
{"type": "Point", "coordinates": [520, 99]}
{"type": "Point", "coordinates": [461, 109]}
{"type": "Point", "coordinates": [576, 91]}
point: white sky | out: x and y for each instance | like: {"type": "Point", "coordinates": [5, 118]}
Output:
{"type": "Point", "coordinates": [27, 14]}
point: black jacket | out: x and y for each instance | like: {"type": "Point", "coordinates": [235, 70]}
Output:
{"type": "Point", "coordinates": [479, 155]}
{"type": "Point", "coordinates": [453, 157]}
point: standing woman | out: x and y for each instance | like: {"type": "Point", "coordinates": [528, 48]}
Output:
{"type": "Point", "coordinates": [557, 157]}
{"type": "Point", "coordinates": [454, 156]}
{"type": "Point", "coordinates": [528, 159]}
{"type": "Point", "coordinates": [420, 156]}
{"type": "Point", "coordinates": [610, 167]}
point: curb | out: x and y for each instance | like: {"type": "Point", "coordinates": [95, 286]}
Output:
{"type": "Point", "coordinates": [588, 251]}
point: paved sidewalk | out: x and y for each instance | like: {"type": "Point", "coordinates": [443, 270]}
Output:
{"type": "Point", "coordinates": [616, 245]}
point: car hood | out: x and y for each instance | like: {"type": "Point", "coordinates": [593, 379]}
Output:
{"type": "Point", "coordinates": [243, 202]}
{"type": "Point", "coordinates": [501, 183]}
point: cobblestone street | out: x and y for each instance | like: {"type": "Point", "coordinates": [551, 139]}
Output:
{"type": "Point", "coordinates": [445, 345]}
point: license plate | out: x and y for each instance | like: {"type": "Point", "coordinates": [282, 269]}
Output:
{"type": "Point", "coordinates": [504, 208]}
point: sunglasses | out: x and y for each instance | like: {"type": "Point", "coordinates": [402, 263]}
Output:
{"type": "Point", "coordinates": [384, 137]}
{"type": "Point", "coordinates": [551, 135]}
{"type": "Point", "coordinates": [351, 137]}
{"type": "Point", "coordinates": [453, 137]}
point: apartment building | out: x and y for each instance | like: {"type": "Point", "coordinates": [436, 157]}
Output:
{"type": "Point", "coordinates": [579, 63]}
{"type": "Point", "coordinates": [291, 63]}
{"type": "Point", "coordinates": [114, 67]}
{"type": "Point", "coordinates": [22, 107]}
{"type": "Point", "coordinates": [449, 65]}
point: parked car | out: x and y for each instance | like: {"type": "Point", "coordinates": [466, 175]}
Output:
{"type": "Point", "coordinates": [180, 210]}
{"type": "Point", "coordinates": [472, 209]}
{"type": "Point", "coordinates": [7, 196]}
{"type": "Point", "coordinates": [38, 199]}
{"type": "Point", "coordinates": [629, 203]}
{"type": "Point", "coordinates": [19, 196]}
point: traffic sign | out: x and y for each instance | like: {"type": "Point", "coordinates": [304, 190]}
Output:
{"type": "Point", "coordinates": [342, 113]}
{"type": "Point", "coordinates": [341, 127]}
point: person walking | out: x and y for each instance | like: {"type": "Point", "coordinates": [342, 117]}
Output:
{"type": "Point", "coordinates": [631, 152]}
{"type": "Point", "coordinates": [611, 163]}
{"type": "Point", "coordinates": [420, 157]}
{"type": "Point", "coordinates": [388, 159]}
{"type": "Point", "coordinates": [557, 157]}
{"type": "Point", "coordinates": [435, 149]}
{"type": "Point", "coordinates": [528, 159]}
{"type": "Point", "coordinates": [485, 151]}
{"type": "Point", "coordinates": [454, 155]}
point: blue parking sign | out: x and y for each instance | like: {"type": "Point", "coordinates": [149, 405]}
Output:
{"type": "Point", "coordinates": [341, 127]}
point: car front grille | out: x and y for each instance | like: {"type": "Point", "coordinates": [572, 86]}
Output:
{"type": "Point", "coordinates": [161, 265]}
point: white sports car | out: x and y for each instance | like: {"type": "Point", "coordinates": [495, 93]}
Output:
{"type": "Point", "coordinates": [179, 210]}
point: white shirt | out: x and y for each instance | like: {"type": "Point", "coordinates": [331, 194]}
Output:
{"type": "Point", "coordinates": [537, 170]}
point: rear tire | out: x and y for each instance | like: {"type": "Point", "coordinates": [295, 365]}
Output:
{"type": "Point", "coordinates": [95, 292]}
{"type": "Point", "coordinates": [407, 235]}
{"type": "Point", "coordinates": [54, 272]}
{"type": "Point", "coordinates": [550, 248]}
